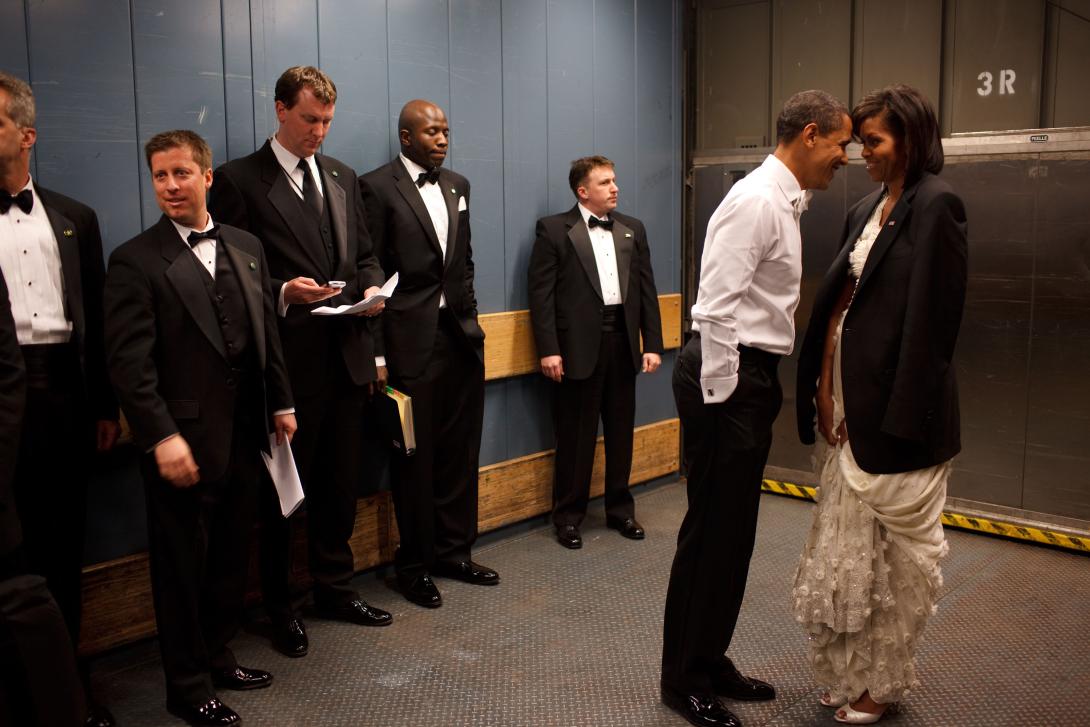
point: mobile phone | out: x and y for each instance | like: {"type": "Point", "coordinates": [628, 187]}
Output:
{"type": "Point", "coordinates": [336, 283]}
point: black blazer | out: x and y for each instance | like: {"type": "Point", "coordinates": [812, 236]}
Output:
{"type": "Point", "coordinates": [166, 350]}
{"type": "Point", "coordinates": [75, 227]}
{"type": "Point", "coordinates": [566, 291]}
{"type": "Point", "coordinates": [254, 194]}
{"type": "Point", "coordinates": [12, 401]}
{"type": "Point", "coordinates": [900, 390]}
{"type": "Point", "coordinates": [406, 243]}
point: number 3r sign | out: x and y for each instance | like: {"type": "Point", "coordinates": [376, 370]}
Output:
{"type": "Point", "coordinates": [1006, 82]}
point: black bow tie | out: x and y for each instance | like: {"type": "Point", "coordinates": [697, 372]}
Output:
{"type": "Point", "coordinates": [432, 175]}
{"type": "Point", "coordinates": [213, 233]}
{"type": "Point", "coordinates": [595, 222]}
{"type": "Point", "coordinates": [24, 200]}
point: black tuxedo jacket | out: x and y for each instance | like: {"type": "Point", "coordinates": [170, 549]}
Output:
{"type": "Point", "coordinates": [253, 193]}
{"type": "Point", "coordinates": [12, 401]}
{"type": "Point", "coordinates": [900, 391]}
{"type": "Point", "coordinates": [566, 291]}
{"type": "Point", "coordinates": [166, 350]}
{"type": "Point", "coordinates": [406, 243]}
{"type": "Point", "coordinates": [75, 227]}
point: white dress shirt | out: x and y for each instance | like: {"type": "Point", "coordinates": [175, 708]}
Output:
{"type": "Point", "coordinates": [205, 250]}
{"type": "Point", "coordinates": [432, 194]}
{"type": "Point", "coordinates": [605, 258]}
{"type": "Point", "coordinates": [750, 273]}
{"type": "Point", "coordinates": [31, 261]}
{"type": "Point", "coordinates": [290, 164]}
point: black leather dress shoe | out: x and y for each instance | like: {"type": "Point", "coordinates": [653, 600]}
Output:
{"type": "Point", "coordinates": [241, 678]}
{"type": "Point", "coordinates": [627, 527]}
{"type": "Point", "coordinates": [700, 710]}
{"type": "Point", "coordinates": [569, 537]}
{"type": "Point", "coordinates": [290, 638]}
{"type": "Point", "coordinates": [98, 716]}
{"type": "Point", "coordinates": [730, 683]}
{"type": "Point", "coordinates": [212, 713]}
{"type": "Point", "coordinates": [421, 590]}
{"type": "Point", "coordinates": [469, 572]}
{"type": "Point", "coordinates": [357, 612]}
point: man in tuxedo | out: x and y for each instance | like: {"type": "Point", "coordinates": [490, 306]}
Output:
{"type": "Point", "coordinates": [38, 680]}
{"type": "Point", "coordinates": [305, 209]}
{"type": "Point", "coordinates": [592, 294]}
{"type": "Point", "coordinates": [51, 256]}
{"type": "Point", "coordinates": [728, 395]}
{"type": "Point", "coordinates": [418, 214]}
{"type": "Point", "coordinates": [195, 357]}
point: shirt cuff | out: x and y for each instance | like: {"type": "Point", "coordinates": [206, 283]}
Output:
{"type": "Point", "coordinates": [280, 412]}
{"type": "Point", "coordinates": [380, 361]}
{"type": "Point", "coordinates": [716, 391]}
{"type": "Point", "coordinates": [155, 446]}
{"type": "Point", "coordinates": [281, 306]}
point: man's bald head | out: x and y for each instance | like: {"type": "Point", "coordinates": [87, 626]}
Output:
{"type": "Point", "coordinates": [423, 132]}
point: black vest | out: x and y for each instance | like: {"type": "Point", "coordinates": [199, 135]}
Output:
{"type": "Point", "coordinates": [231, 313]}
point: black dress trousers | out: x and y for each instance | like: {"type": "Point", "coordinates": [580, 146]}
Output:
{"type": "Point", "coordinates": [435, 489]}
{"type": "Point", "coordinates": [610, 393]}
{"type": "Point", "coordinates": [726, 446]}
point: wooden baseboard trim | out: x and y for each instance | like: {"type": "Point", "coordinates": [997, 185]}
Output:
{"type": "Point", "coordinates": [117, 594]}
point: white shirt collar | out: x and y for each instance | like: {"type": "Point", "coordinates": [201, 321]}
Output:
{"type": "Point", "coordinates": [414, 169]}
{"type": "Point", "coordinates": [587, 214]}
{"type": "Point", "coordinates": [287, 160]}
{"type": "Point", "coordinates": [184, 231]}
{"type": "Point", "coordinates": [789, 185]}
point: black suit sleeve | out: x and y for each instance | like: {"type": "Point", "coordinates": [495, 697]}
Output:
{"type": "Point", "coordinates": [650, 317]}
{"type": "Point", "coordinates": [369, 270]}
{"type": "Point", "coordinates": [542, 277]}
{"type": "Point", "coordinates": [130, 344]}
{"type": "Point", "coordinates": [936, 297]}
{"type": "Point", "coordinates": [12, 401]}
{"type": "Point", "coordinates": [93, 277]}
{"type": "Point", "coordinates": [277, 383]}
{"type": "Point", "coordinates": [470, 291]}
{"type": "Point", "coordinates": [374, 219]}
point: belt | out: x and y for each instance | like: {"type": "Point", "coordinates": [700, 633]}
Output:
{"type": "Point", "coordinates": [749, 354]}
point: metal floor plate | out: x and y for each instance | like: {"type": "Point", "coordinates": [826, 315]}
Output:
{"type": "Point", "coordinates": [572, 639]}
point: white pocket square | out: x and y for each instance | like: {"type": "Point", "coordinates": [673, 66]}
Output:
{"type": "Point", "coordinates": [462, 206]}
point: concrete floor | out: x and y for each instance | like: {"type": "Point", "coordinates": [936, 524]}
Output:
{"type": "Point", "coordinates": [572, 638]}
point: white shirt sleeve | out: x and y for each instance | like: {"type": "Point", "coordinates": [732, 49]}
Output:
{"type": "Point", "coordinates": [281, 304]}
{"type": "Point", "coordinates": [736, 242]}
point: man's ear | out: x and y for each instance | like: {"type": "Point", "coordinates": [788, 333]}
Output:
{"type": "Point", "coordinates": [403, 136]}
{"type": "Point", "coordinates": [810, 134]}
{"type": "Point", "coordinates": [30, 135]}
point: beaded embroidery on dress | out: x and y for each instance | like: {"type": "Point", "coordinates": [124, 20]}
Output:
{"type": "Point", "coordinates": [869, 573]}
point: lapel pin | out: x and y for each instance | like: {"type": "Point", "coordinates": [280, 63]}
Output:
{"type": "Point", "coordinates": [68, 232]}
{"type": "Point", "coordinates": [892, 223]}
{"type": "Point", "coordinates": [253, 265]}
{"type": "Point", "coordinates": [334, 172]}
{"type": "Point", "coordinates": [628, 234]}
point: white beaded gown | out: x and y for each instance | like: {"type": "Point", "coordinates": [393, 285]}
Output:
{"type": "Point", "coordinates": [869, 572]}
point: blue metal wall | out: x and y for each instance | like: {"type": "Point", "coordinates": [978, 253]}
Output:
{"type": "Point", "coordinates": [528, 86]}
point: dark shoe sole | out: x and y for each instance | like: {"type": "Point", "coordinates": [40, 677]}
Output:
{"type": "Point", "coordinates": [246, 688]}
{"type": "Point", "coordinates": [291, 653]}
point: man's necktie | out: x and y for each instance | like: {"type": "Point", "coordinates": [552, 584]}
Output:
{"type": "Point", "coordinates": [432, 175]}
{"type": "Point", "coordinates": [310, 189]}
{"type": "Point", "coordinates": [24, 200]}
{"type": "Point", "coordinates": [593, 222]}
{"type": "Point", "coordinates": [213, 233]}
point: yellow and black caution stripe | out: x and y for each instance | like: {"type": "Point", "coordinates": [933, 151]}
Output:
{"type": "Point", "coordinates": [973, 523]}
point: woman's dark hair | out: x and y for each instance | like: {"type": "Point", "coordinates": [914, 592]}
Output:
{"type": "Point", "coordinates": [911, 118]}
